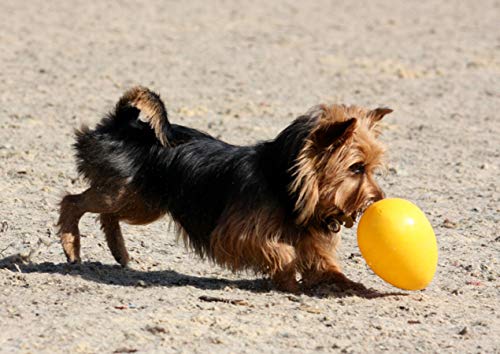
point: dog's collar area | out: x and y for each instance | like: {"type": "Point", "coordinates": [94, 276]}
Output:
{"type": "Point", "coordinates": [331, 224]}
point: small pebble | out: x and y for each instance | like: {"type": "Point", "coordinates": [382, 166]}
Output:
{"type": "Point", "coordinates": [447, 223]}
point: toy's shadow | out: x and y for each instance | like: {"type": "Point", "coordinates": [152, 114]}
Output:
{"type": "Point", "coordinates": [116, 275]}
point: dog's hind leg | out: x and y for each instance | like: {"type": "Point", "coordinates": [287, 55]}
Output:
{"type": "Point", "coordinates": [74, 206]}
{"type": "Point", "coordinates": [111, 227]}
{"type": "Point", "coordinates": [69, 218]}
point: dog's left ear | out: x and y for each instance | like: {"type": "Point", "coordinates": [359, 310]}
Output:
{"type": "Point", "coordinates": [333, 134]}
{"type": "Point", "coordinates": [377, 114]}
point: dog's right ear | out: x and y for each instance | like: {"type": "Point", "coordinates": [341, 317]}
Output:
{"type": "Point", "coordinates": [377, 114]}
{"type": "Point", "coordinates": [333, 134]}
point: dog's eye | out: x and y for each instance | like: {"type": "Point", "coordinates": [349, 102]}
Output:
{"type": "Point", "coordinates": [357, 168]}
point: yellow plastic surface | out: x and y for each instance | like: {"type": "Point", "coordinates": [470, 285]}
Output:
{"type": "Point", "coordinates": [398, 243]}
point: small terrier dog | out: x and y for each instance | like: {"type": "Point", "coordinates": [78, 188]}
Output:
{"type": "Point", "coordinates": [275, 207]}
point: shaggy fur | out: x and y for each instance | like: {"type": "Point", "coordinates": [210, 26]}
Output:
{"type": "Point", "coordinates": [275, 207]}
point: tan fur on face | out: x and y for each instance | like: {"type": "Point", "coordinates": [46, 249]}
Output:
{"type": "Point", "coordinates": [323, 182]}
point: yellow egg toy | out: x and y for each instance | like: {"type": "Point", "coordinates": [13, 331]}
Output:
{"type": "Point", "coordinates": [398, 243]}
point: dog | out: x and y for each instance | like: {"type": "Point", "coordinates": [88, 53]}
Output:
{"type": "Point", "coordinates": [275, 208]}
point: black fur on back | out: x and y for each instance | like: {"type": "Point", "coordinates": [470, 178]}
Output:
{"type": "Point", "coordinates": [198, 175]}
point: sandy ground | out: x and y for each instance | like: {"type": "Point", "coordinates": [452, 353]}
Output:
{"type": "Point", "coordinates": [242, 71]}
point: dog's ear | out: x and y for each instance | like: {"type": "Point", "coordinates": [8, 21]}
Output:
{"type": "Point", "coordinates": [333, 134]}
{"type": "Point", "coordinates": [377, 114]}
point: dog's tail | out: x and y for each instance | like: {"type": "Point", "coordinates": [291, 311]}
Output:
{"type": "Point", "coordinates": [140, 103]}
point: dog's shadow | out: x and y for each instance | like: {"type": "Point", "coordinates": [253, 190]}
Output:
{"type": "Point", "coordinates": [116, 275]}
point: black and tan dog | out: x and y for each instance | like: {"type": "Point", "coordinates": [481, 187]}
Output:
{"type": "Point", "coordinates": [275, 207]}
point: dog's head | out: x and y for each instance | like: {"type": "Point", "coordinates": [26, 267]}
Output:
{"type": "Point", "coordinates": [334, 172]}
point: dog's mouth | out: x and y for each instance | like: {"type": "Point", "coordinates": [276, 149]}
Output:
{"type": "Point", "coordinates": [352, 218]}
{"type": "Point", "coordinates": [340, 218]}
{"type": "Point", "coordinates": [335, 221]}
{"type": "Point", "coordinates": [347, 220]}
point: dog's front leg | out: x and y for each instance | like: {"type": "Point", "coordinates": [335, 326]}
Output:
{"type": "Point", "coordinates": [285, 279]}
{"type": "Point", "coordinates": [318, 264]}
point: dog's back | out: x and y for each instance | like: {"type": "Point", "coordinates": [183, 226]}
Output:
{"type": "Point", "coordinates": [137, 127]}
